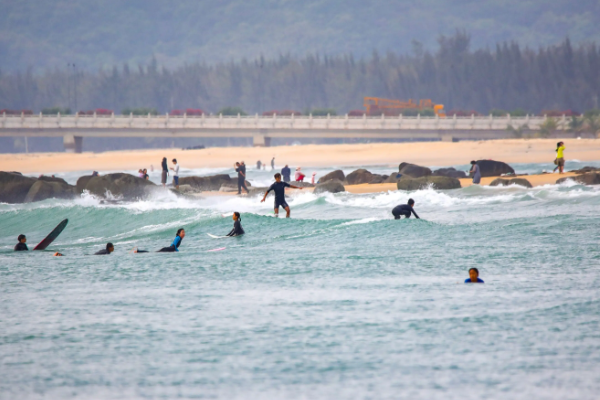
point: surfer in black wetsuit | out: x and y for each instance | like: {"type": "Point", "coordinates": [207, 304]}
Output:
{"type": "Point", "coordinates": [279, 188]}
{"type": "Point", "coordinates": [109, 249]}
{"type": "Point", "coordinates": [176, 242]}
{"type": "Point", "coordinates": [237, 225]}
{"type": "Point", "coordinates": [405, 210]}
{"type": "Point", "coordinates": [21, 246]}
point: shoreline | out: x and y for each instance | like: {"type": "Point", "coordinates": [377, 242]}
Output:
{"type": "Point", "coordinates": [366, 188]}
{"type": "Point", "coordinates": [439, 154]}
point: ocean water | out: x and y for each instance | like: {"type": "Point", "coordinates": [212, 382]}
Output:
{"type": "Point", "coordinates": [338, 302]}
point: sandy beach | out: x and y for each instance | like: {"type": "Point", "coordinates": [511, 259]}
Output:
{"type": "Point", "coordinates": [422, 153]}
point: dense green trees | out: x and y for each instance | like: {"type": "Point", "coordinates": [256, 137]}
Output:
{"type": "Point", "coordinates": [559, 77]}
{"type": "Point", "coordinates": [94, 34]}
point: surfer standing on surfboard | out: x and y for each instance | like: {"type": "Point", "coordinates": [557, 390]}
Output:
{"type": "Point", "coordinates": [237, 225]}
{"type": "Point", "coordinates": [279, 188]}
{"type": "Point", "coordinates": [21, 246]}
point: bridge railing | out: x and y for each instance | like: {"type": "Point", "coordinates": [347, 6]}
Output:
{"type": "Point", "coordinates": [253, 122]}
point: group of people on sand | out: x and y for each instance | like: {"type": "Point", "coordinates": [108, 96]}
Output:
{"type": "Point", "coordinates": [260, 164]}
{"type": "Point", "coordinates": [143, 173]}
{"type": "Point", "coordinates": [559, 161]}
{"type": "Point", "coordinates": [165, 172]}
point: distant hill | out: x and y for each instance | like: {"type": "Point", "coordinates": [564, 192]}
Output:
{"type": "Point", "coordinates": [103, 33]}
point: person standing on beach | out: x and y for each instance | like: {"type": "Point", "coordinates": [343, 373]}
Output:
{"type": "Point", "coordinates": [165, 172]}
{"type": "Point", "coordinates": [241, 171]}
{"type": "Point", "coordinates": [475, 173]}
{"type": "Point", "coordinates": [279, 189]}
{"type": "Point", "coordinates": [286, 172]}
{"type": "Point", "coordinates": [175, 174]}
{"type": "Point", "coordinates": [273, 164]}
{"type": "Point", "coordinates": [560, 157]}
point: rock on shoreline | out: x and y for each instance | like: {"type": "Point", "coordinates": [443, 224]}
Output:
{"type": "Point", "coordinates": [514, 181]}
{"type": "Point", "coordinates": [16, 188]}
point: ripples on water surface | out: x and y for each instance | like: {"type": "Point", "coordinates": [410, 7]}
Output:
{"type": "Point", "coordinates": [340, 301]}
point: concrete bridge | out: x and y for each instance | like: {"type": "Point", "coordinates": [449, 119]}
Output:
{"type": "Point", "coordinates": [73, 128]}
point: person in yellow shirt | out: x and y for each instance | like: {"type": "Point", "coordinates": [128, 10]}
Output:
{"type": "Point", "coordinates": [560, 158]}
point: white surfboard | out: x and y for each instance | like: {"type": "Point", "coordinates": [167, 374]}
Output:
{"type": "Point", "coordinates": [216, 237]}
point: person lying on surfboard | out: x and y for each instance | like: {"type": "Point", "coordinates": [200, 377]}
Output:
{"type": "Point", "coordinates": [21, 246]}
{"type": "Point", "coordinates": [237, 225]}
{"type": "Point", "coordinates": [279, 188]}
{"type": "Point", "coordinates": [176, 242]}
{"type": "Point", "coordinates": [109, 249]}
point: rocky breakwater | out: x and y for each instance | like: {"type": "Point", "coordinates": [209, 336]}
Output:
{"type": "Point", "coordinates": [118, 186]}
{"type": "Point", "coordinates": [409, 170]}
{"type": "Point", "coordinates": [514, 181]}
{"type": "Point", "coordinates": [330, 186]}
{"type": "Point", "coordinates": [357, 177]}
{"type": "Point", "coordinates": [588, 178]}
{"type": "Point", "coordinates": [16, 188]}
{"type": "Point", "coordinates": [435, 182]}
{"type": "Point", "coordinates": [450, 172]}
{"type": "Point", "coordinates": [494, 168]}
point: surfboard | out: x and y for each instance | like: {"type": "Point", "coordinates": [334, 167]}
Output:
{"type": "Point", "coordinates": [219, 249]}
{"type": "Point", "coordinates": [216, 237]}
{"type": "Point", "coordinates": [53, 235]}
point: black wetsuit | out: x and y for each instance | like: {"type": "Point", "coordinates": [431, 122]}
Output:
{"type": "Point", "coordinates": [237, 229]}
{"type": "Point", "coordinates": [21, 247]}
{"type": "Point", "coordinates": [405, 210]}
{"type": "Point", "coordinates": [101, 252]}
{"type": "Point", "coordinates": [241, 170]}
{"type": "Point", "coordinates": [285, 172]}
{"type": "Point", "coordinates": [279, 189]}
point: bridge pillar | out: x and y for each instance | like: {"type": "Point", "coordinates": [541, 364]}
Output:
{"type": "Point", "coordinates": [448, 138]}
{"type": "Point", "coordinates": [73, 144]}
{"type": "Point", "coordinates": [261, 141]}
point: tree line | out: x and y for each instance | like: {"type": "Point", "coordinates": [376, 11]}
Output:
{"type": "Point", "coordinates": [508, 77]}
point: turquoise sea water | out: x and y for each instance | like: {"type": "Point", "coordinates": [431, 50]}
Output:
{"type": "Point", "coordinates": [339, 302]}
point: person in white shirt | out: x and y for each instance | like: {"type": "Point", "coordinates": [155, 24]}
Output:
{"type": "Point", "coordinates": [175, 174]}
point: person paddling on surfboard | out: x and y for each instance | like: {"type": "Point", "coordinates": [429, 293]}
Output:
{"type": "Point", "coordinates": [21, 246]}
{"type": "Point", "coordinates": [176, 242]}
{"type": "Point", "coordinates": [109, 249]}
{"type": "Point", "coordinates": [237, 225]}
{"type": "Point", "coordinates": [279, 188]}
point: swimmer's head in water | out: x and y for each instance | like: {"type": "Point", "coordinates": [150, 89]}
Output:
{"type": "Point", "coordinates": [278, 177]}
{"type": "Point", "coordinates": [109, 247]}
{"type": "Point", "coordinates": [236, 216]}
{"type": "Point", "coordinates": [21, 238]}
{"type": "Point", "coordinates": [411, 202]}
{"type": "Point", "coordinates": [474, 274]}
{"type": "Point", "coordinates": [181, 232]}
